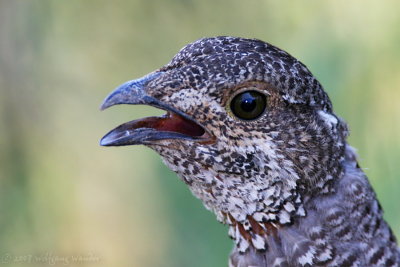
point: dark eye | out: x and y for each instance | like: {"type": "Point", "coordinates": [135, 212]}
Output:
{"type": "Point", "coordinates": [248, 105]}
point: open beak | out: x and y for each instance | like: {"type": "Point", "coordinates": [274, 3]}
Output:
{"type": "Point", "coordinates": [173, 125]}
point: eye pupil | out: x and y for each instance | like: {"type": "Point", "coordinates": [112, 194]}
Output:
{"type": "Point", "coordinates": [248, 105]}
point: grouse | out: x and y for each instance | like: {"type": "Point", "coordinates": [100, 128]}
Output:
{"type": "Point", "coordinates": [253, 134]}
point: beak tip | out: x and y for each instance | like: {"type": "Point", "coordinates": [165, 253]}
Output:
{"type": "Point", "coordinates": [104, 141]}
{"type": "Point", "coordinates": [103, 106]}
{"type": "Point", "coordinates": [110, 100]}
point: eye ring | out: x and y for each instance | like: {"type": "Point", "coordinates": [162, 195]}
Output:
{"type": "Point", "coordinates": [248, 105]}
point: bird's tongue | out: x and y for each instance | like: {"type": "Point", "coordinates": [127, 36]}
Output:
{"type": "Point", "coordinates": [171, 122]}
{"type": "Point", "coordinates": [169, 126]}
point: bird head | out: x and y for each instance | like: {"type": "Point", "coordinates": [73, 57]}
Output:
{"type": "Point", "coordinates": [247, 127]}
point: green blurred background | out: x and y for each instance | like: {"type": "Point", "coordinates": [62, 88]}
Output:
{"type": "Point", "coordinates": [62, 195]}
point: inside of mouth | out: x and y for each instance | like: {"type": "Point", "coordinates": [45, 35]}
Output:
{"type": "Point", "coordinates": [170, 122]}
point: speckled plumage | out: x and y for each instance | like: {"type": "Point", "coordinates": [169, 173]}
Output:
{"type": "Point", "coordinates": [287, 184]}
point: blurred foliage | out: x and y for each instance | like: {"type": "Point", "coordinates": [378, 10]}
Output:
{"type": "Point", "coordinates": [63, 195]}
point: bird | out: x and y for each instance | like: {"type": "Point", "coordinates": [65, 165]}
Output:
{"type": "Point", "coordinates": [253, 134]}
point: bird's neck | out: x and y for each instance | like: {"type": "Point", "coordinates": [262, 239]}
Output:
{"type": "Point", "coordinates": [333, 223]}
{"type": "Point", "coordinates": [262, 202]}
{"type": "Point", "coordinates": [258, 230]}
